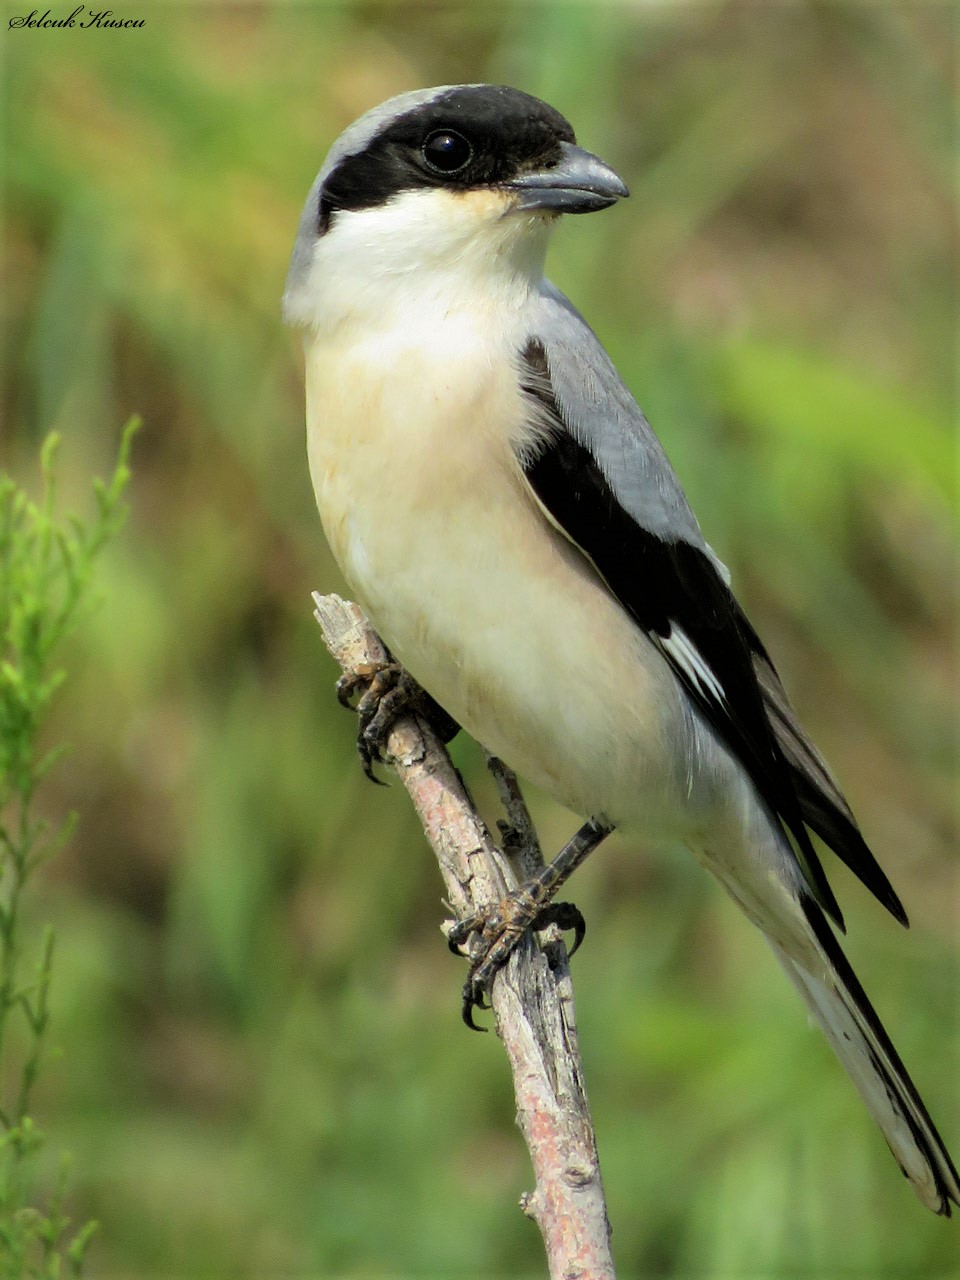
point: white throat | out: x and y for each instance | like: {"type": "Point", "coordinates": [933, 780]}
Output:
{"type": "Point", "coordinates": [425, 256]}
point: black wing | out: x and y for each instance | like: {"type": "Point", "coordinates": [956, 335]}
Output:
{"type": "Point", "coordinates": [675, 592]}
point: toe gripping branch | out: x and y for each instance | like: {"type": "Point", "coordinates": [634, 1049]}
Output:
{"type": "Point", "coordinates": [501, 925]}
{"type": "Point", "coordinates": [387, 692]}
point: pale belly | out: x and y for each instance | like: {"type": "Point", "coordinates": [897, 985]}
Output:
{"type": "Point", "coordinates": [516, 661]}
{"type": "Point", "coordinates": [494, 612]}
{"type": "Point", "coordinates": [518, 640]}
{"type": "Point", "coordinates": [503, 621]}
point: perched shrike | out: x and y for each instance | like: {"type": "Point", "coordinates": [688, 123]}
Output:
{"type": "Point", "coordinates": [502, 510]}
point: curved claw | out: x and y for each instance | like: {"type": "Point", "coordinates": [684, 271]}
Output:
{"type": "Point", "coordinates": [579, 933]}
{"type": "Point", "coordinates": [461, 930]}
{"type": "Point", "coordinates": [386, 692]}
{"type": "Point", "coordinates": [376, 683]}
{"type": "Point", "coordinates": [347, 686]}
{"type": "Point", "coordinates": [369, 749]}
{"type": "Point", "coordinates": [501, 926]}
{"type": "Point", "coordinates": [566, 916]}
{"type": "Point", "coordinates": [366, 763]}
{"type": "Point", "coordinates": [471, 1001]}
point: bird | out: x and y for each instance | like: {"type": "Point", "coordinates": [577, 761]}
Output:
{"type": "Point", "coordinates": [502, 510]}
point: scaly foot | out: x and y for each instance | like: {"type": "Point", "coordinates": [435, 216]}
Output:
{"type": "Point", "coordinates": [387, 692]}
{"type": "Point", "coordinates": [501, 926]}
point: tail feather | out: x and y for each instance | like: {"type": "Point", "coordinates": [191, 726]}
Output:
{"type": "Point", "coordinates": [840, 1005]}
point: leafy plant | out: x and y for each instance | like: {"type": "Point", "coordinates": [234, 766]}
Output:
{"type": "Point", "coordinates": [46, 565]}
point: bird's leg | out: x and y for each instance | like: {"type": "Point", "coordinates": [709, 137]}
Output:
{"type": "Point", "coordinates": [387, 692]}
{"type": "Point", "coordinates": [530, 905]}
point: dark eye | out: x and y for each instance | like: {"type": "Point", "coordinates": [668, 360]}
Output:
{"type": "Point", "coordinates": [446, 151]}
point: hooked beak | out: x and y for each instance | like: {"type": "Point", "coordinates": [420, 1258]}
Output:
{"type": "Point", "coordinates": [578, 183]}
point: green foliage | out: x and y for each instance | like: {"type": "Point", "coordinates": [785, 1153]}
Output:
{"type": "Point", "coordinates": [266, 1071]}
{"type": "Point", "coordinates": [45, 586]}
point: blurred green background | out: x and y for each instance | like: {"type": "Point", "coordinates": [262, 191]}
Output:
{"type": "Point", "coordinates": [263, 1071]}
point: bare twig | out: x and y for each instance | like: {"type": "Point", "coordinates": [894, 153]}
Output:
{"type": "Point", "coordinates": [532, 996]}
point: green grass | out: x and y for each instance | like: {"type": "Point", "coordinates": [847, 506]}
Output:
{"type": "Point", "coordinates": [46, 565]}
{"type": "Point", "coordinates": [263, 1072]}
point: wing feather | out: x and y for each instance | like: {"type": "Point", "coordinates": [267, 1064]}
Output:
{"type": "Point", "coordinates": [602, 477]}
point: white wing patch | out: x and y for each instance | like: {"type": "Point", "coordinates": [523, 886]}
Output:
{"type": "Point", "coordinates": [689, 659]}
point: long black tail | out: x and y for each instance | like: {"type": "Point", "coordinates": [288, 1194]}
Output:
{"type": "Point", "coordinates": [840, 1005]}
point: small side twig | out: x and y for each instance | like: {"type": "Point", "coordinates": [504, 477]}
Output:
{"type": "Point", "coordinates": [532, 996]}
{"type": "Point", "coordinates": [520, 840]}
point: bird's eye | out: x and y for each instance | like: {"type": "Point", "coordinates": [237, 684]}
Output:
{"type": "Point", "coordinates": [446, 151]}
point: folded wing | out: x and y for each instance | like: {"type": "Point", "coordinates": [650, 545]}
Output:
{"type": "Point", "coordinates": [602, 477]}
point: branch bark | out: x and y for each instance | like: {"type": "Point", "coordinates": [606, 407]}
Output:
{"type": "Point", "coordinates": [532, 996]}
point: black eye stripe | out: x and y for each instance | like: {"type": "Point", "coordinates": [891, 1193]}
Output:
{"type": "Point", "coordinates": [446, 151]}
{"type": "Point", "coordinates": [468, 137]}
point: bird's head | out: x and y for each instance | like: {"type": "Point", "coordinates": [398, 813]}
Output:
{"type": "Point", "coordinates": [457, 180]}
